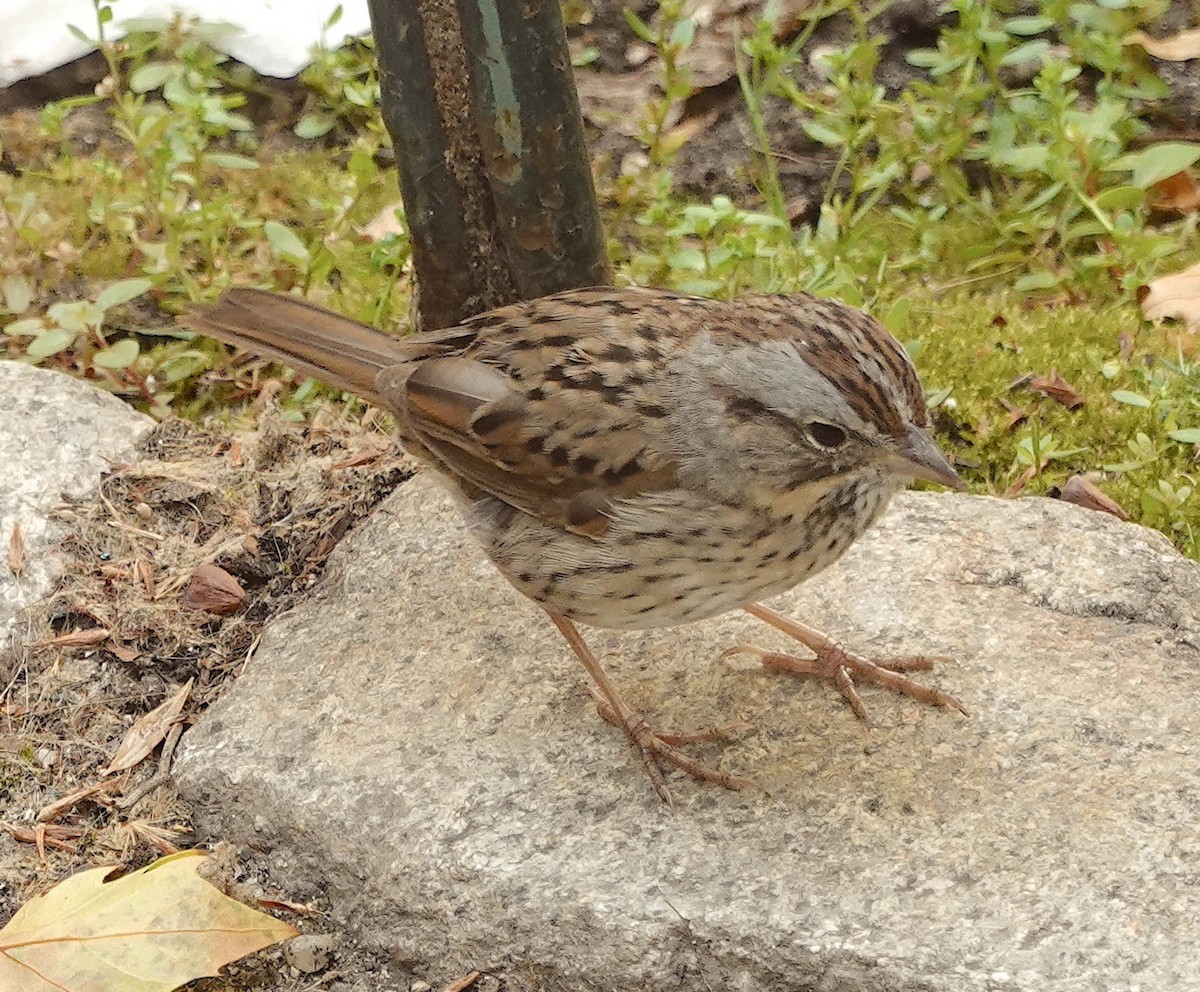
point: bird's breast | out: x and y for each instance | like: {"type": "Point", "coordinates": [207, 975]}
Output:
{"type": "Point", "coordinates": [676, 557]}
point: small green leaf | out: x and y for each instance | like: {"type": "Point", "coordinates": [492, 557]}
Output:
{"type": "Point", "coordinates": [1026, 53]}
{"type": "Point", "coordinates": [77, 315]}
{"type": "Point", "coordinates": [1158, 162]}
{"type": "Point", "coordinates": [27, 328]}
{"type": "Point", "coordinates": [897, 317]}
{"type": "Point", "coordinates": [688, 259]}
{"type": "Point", "coordinates": [822, 134]}
{"type": "Point", "coordinates": [1129, 398]}
{"type": "Point", "coordinates": [1186, 435]}
{"type": "Point", "coordinates": [1036, 280]}
{"type": "Point", "coordinates": [18, 293]}
{"type": "Point", "coordinates": [1026, 158]}
{"type": "Point", "coordinates": [228, 161]}
{"type": "Point", "coordinates": [50, 343]}
{"type": "Point", "coordinates": [1028, 25]}
{"type": "Point", "coordinates": [285, 242]}
{"type": "Point", "coordinates": [684, 32]}
{"type": "Point", "coordinates": [118, 356]}
{"type": "Point", "coordinates": [1121, 198]}
{"type": "Point", "coordinates": [639, 27]}
{"type": "Point", "coordinates": [122, 292]}
{"type": "Point", "coordinates": [924, 58]}
{"type": "Point", "coordinates": [313, 126]}
{"type": "Point", "coordinates": [151, 76]}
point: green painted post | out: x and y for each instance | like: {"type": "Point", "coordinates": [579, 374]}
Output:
{"type": "Point", "coordinates": [480, 101]}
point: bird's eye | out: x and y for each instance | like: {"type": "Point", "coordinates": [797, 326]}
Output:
{"type": "Point", "coordinates": [825, 435]}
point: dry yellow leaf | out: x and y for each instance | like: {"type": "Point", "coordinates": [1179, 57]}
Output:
{"type": "Point", "coordinates": [1177, 296]}
{"type": "Point", "coordinates": [149, 931]}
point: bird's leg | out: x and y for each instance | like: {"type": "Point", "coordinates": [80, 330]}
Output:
{"type": "Point", "coordinates": [841, 667]}
{"type": "Point", "coordinates": [655, 748]}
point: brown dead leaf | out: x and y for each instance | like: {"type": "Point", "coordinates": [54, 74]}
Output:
{"type": "Point", "coordinates": [1020, 483]}
{"type": "Point", "coordinates": [1177, 194]}
{"type": "Point", "coordinates": [16, 550]}
{"type": "Point", "coordinates": [213, 590]}
{"type": "Point", "coordinates": [465, 982]}
{"type": "Point", "coordinates": [162, 839]}
{"type": "Point", "coordinates": [125, 652]}
{"type": "Point", "coordinates": [1079, 491]}
{"type": "Point", "coordinates": [1016, 414]}
{"type": "Point", "coordinates": [146, 573]}
{"type": "Point", "coordinates": [1056, 387]}
{"type": "Point", "coordinates": [47, 835]}
{"type": "Point", "coordinates": [76, 639]}
{"type": "Point", "coordinates": [148, 731]}
{"type": "Point", "coordinates": [1181, 47]}
{"type": "Point", "coordinates": [57, 808]}
{"type": "Point", "coordinates": [1176, 295]}
{"type": "Point", "coordinates": [372, 450]}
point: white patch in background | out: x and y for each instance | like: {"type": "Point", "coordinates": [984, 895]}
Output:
{"type": "Point", "coordinates": [274, 37]}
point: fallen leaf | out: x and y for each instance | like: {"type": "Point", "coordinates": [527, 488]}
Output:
{"type": "Point", "coordinates": [384, 224]}
{"type": "Point", "coordinates": [1179, 194]}
{"type": "Point", "coordinates": [372, 450]}
{"type": "Point", "coordinates": [76, 639]}
{"type": "Point", "coordinates": [56, 809]}
{"type": "Point", "coordinates": [1177, 296]}
{"type": "Point", "coordinates": [125, 652]}
{"type": "Point", "coordinates": [153, 930]}
{"type": "Point", "coordinates": [16, 550]}
{"type": "Point", "coordinates": [160, 838]}
{"type": "Point", "coordinates": [1054, 386]}
{"type": "Point", "coordinates": [43, 835]}
{"type": "Point", "coordinates": [213, 590]}
{"type": "Point", "coordinates": [148, 731]}
{"type": "Point", "coordinates": [146, 573]}
{"type": "Point", "coordinates": [1079, 491]}
{"type": "Point", "coordinates": [1181, 47]}
{"type": "Point", "coordinates": [467, 980]}
{"type": "Point", "coordinates": [1016, 414]}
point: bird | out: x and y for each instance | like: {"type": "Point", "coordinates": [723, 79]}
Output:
{"type": "Point", "coordinates": [632, 458]}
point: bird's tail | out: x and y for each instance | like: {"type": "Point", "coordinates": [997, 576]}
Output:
{"type": "Point", "coordinates": [308, 338]}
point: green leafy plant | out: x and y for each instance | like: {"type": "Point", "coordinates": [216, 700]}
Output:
{"type": "Point", "coordinates": [68, 323]}
{"type": "Point", "coordinates": [1008, 131]}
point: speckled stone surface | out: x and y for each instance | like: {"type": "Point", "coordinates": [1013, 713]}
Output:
{"type": "Point", "coordinates": [417, 743]}
{"type": "Point", "coordinates": [57, 435]}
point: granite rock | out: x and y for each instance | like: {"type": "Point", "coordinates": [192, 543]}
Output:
{"type": "Point", "coordinates": [416, 743]}
{"type": "Point", "coordinates": [58, 435]}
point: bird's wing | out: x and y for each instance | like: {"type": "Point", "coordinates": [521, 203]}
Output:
{"type": "Point", "coordinates": [552, 407]}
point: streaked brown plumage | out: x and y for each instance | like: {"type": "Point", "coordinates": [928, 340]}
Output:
{"type": "Point", "coordinates": [635, 458]}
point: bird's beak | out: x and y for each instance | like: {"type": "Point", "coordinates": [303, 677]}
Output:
{"type": "Point", "coordinates": [921, 458]}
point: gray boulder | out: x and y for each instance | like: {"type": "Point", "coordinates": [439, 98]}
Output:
{"type": "Point", "coordinates": [57, 436]}
{"type": "Point", "coordinates": [416, 742]}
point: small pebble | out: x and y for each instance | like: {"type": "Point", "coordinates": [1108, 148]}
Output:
{"type": "Point", "coordinates": [310, 952]}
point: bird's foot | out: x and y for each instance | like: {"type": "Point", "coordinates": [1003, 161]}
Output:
{"type": "Point", "coordinates": [659, 750]}
{"type": "Point", "coordinates": [843, 668]}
